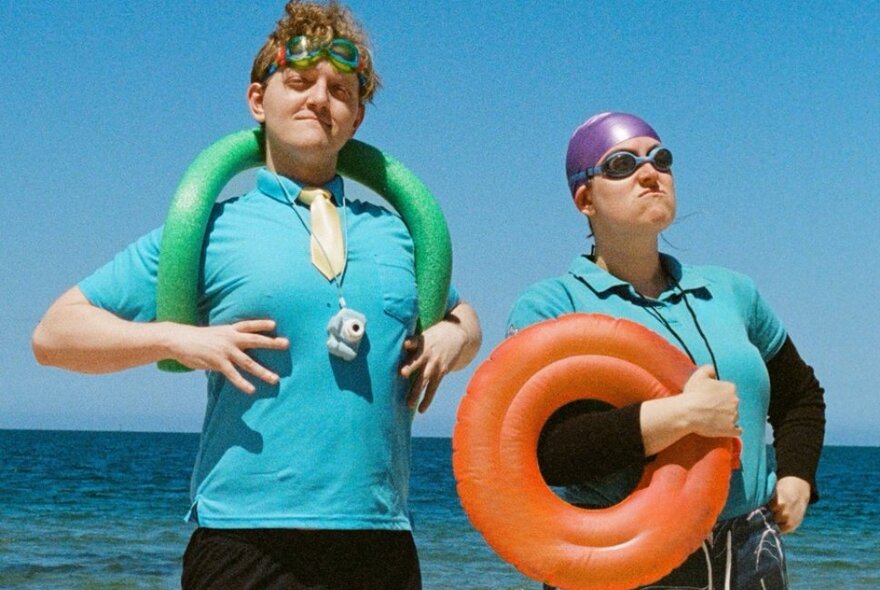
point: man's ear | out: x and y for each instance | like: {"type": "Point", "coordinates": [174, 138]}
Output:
{"type": "Point", "coordinates": [359, 119]}
{"type": "Point", "coordinates": [583, 200]}
{"type": "Point", "coordinates": [255, 94]}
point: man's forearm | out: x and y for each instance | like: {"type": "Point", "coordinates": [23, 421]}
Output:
{"type": "Point", "coordinates": [464, 316]}
{"type": "Point", "coordinates": [78, 336]}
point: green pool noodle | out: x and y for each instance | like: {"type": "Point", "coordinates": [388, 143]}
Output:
{"type": "Point", "coordinates": [190, 210]}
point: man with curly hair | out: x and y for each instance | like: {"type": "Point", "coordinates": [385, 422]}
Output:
{"type": "Point", "coordinates": [301, 479]}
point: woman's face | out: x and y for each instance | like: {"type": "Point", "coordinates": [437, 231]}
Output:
{"type": "Point", "coordinates": [641, 203]}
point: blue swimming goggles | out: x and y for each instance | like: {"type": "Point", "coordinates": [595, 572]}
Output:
{"type": "Point", "coordinates": [303, 52]}
{"type": "Point", "coordinates": [623, 163]}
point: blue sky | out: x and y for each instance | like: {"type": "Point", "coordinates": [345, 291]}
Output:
{"type": "Point", "coordinates": [771, 110]}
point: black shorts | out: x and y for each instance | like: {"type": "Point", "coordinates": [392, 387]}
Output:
{"type": "Point", "coordinates": [296, 559]}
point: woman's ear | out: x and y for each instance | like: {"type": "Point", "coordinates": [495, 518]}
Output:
{"type": "Point", "coordinates": [255, 94]}
{"type": "Point", "coordinates": [583, 200]}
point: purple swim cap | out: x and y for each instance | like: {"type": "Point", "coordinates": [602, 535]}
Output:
{"type": "Point", "coordinates": [597, 135]}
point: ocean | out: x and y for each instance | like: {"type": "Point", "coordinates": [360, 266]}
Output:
{"type": "Point", "coordinates": [104, 510]}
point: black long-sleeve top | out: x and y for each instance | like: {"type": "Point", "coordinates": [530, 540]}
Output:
{"type": "Point", "coordinates": [576, 434]}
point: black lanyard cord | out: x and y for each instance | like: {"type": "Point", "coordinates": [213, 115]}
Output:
{"type": "Point", "coordinates": [656, 315]}
{"type": "Point", "coordinates": [699, 328]}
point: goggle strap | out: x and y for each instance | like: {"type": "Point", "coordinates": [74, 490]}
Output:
{"type": "Point", "coordinates": [278, 62]}
{"type": "Point", "coordinates": [578, 177]}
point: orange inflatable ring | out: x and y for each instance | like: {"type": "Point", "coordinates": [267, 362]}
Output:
{"type": "Point", "coordinates": [508, 401]}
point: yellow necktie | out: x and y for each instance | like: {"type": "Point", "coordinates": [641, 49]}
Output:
{"type": "Point", "coordinates": [327, 246]}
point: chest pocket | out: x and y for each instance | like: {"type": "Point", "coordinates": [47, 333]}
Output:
{"type": "Point", "coordinates": [399, 293]}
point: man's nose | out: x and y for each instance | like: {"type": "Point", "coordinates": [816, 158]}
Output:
{"type": "Point", "coordinates": [319, 93]}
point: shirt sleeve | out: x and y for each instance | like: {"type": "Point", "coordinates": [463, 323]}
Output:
{"type": "Point", "coordinates": [580, 443]}
{"type": "Point", "coordinates": [765, 330]}
{"type": "Point", "coordinates": [543, 301]}
{"type": "Point", "coordinates": [452, 299]}
{"type": "Point", "coordinates": [126, 286]}
{"type": "Point", "coordinates": [797, 415]}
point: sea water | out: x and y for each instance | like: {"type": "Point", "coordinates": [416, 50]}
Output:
{"type": "Point", "coordinates": [104, 510]}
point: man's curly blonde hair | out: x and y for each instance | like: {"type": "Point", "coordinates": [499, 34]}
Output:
{"type": "Point", "coordinates": [323, 21]}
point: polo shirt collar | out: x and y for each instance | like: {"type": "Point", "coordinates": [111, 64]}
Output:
{"type": "Point", "coordinates": [688, 278]}
{"type": "Point", "coordinates": [267, 183]}
{"type": "Point", "coordinates": [603, 281]}
{"type": "Point", "coordinates": [596, 277]}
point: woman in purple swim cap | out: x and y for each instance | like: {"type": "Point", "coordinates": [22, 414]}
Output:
{"type": "Point", "coordinates": [620, 176]}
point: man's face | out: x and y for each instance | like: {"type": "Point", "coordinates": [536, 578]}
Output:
{"type": "Point", "coordinates": [309, 114]}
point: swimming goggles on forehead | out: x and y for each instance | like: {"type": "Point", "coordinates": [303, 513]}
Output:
{"type": "Point", "coordinates": [623, 163]}
{"type": "Point", "coordinates": [303, 52]}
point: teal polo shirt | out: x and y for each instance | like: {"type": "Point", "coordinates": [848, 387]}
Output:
{"type": "Point", "coordinates": [328, 447]}
{"type": "Point", "coordinates": [742, 331]}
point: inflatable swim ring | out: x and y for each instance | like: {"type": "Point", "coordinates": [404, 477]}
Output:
{"type": "Point", "coordinates": [510, 398]}
{"type": "Point", "coordinates": [190, 210]}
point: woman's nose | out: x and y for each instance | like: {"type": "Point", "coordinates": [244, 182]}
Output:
{"type": "Point", "coordinates": [647, 173]}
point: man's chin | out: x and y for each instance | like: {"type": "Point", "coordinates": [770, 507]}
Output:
{"type": "Point", "coordinates": [316, 142]}
{"type": "Point", "coordinates": [309, 139]}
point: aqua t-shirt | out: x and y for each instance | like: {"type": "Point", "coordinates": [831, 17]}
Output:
{"type": "Point", "coordinates": [742, 331]}
{"type": "Point", "coordinates": [328, 447]}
